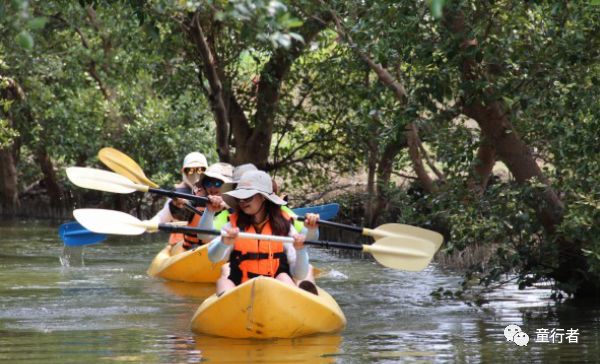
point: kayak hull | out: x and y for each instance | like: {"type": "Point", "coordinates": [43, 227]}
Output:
{"type": "Point", "coordinates": [188, 266]}
{"type": "Point", "coordinates": [263, 308]}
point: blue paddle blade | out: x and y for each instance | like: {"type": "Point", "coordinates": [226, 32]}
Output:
{"type": "Point", "coordinates": [73, 234]}
{"type": "Point", "coordinates": [326, 212]}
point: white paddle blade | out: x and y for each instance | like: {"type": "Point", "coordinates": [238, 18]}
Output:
{"type": "Point", "coordinates": [109, 222]}
{"type": "Point", "coordinates": [406, 254]}
{"type": "Point", "coordinates": [409, 231]}
{"type": "Point", "coordinates": [98, 179]}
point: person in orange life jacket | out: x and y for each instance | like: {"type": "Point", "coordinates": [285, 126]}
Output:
{"type": "Point", "coordinates": [258, 210]}
{"type": "Point", "coordinates": [221, 218]}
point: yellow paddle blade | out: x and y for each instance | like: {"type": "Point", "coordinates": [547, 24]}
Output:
{"type": "Point", "coordinates": [112, 222]}
{"type": "Point", "coordinates": [124, 165]}
{"type": "Point", "coordinates": [401, 253]}
{"type": "Point", "coordinates": [403, 230]}
{"type": "Point", "coordinates": [98, 179]}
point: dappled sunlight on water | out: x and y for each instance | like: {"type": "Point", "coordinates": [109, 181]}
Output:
{"type": "Point", "coordinates": [101, 307]}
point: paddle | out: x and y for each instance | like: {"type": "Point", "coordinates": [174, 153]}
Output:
{"type": "Point", "coordinates": [393, 252]}
{"type": "Point", "coordinates": [326, 212]}
{"type": "Point", "coordinates": [124, 165]}
{"type": "Point", "coordinates": [127, 167]}
{"type": "Point", "coordinates": [391, 230]}
{"type": "Point", "coordinates": [73, 234]}
{"type": "Point", "coordinates": [98, 179]}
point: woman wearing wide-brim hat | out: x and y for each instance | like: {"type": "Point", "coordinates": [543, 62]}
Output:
{"type": "Point", "coordinates": [258, 210]}
{"type": "Point", "coordinates": [213, 183]}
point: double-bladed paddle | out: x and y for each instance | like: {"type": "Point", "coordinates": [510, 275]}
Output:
{"type": "Point", "coordinates": [391, 230]}
{"type": "Point", "coordinates": [393, 252]}
{"type": "Point", "coordinates": [98, 179]}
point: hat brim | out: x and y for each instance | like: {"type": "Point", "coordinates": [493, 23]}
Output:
{"type": "Point", "coordinates": [231, 198]}
{"type": "Point", "coordinates": [194, 165]}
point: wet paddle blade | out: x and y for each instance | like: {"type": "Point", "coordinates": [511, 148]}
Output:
{"type": "Point", "coordinates": [124, 165]}
{"type": "Point", "coordinates": [97, 179]}
{"type": "Point", "coordinates": [109, 222]}
{"type": "Point", "coordinates": [409, 231]}
{"type": "Point", "coordinates": [406, 254]}
{"type": "Point", "coordinates": [73, 234]}
{"type": "Point", "coordinates": [326, 212]}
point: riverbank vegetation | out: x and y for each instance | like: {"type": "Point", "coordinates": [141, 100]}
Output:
{"type": "Point", "coordinates": [478, 119]}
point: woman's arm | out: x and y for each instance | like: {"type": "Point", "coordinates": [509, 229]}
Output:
{"type": "Point", "coordinates": [164, 215]}
{"type": "Point", "coordinates": [220, 247]}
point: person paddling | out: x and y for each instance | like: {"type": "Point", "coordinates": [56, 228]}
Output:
{"type": "Point", "coordinates": [194, 165]}
{"type": "Point", "coordinates": [258, 210]}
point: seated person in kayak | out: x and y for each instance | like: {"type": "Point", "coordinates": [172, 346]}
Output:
{"type": "Point", "coordinates": [213, 180]}
{"type": "Point", "coordinates": [258, 210]}
{"type": "Point", "coordinates": [194, 165]}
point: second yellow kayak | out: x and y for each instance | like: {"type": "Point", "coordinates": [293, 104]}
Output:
{"type": "Point", "coordinates": [188, 266]}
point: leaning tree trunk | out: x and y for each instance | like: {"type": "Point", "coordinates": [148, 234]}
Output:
{"type": "Point", "coordinates": [490, 113]}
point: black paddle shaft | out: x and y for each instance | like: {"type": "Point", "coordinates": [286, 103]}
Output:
{"type": "Point", "coordinates": [186, 196]}
{"type": "Point", "coordinates": [195, 230]}
{"type": "Point", "coordinates": [356, 229]}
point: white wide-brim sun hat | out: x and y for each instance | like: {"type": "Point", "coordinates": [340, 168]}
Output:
{"type": "Point", "coordinates": [220, 171]}
{"type": "Point", "coordinates": [239, 171]}
{"type": "Point", "coordinates": [252, 183]}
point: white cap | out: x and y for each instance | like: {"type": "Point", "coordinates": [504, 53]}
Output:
{"type": "Point", "coordinates": [252, 183]}
{"type": "Point", "coordinates": [194, 160]}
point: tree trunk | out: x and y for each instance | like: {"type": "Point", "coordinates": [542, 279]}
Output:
{"type": "Point", "coordinates": [485, 108]}
{"type": "Point", "coordinates": [370, 201]}
{"type": "Point", "coordinates": [8, 180]}
{"type": "Point", "coordinates": [482, 168]}
{"type": "Point", "coordinates": [50, 181]}
{"type": "Point", "coordinates": [251, 140]}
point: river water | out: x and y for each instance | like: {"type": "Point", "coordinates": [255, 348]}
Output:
{"type": "Point", "coordinates": [102, 307]}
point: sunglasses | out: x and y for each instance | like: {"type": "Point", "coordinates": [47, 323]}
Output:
{"type": "Point", "coordinates": [198, 170]}
{"type": "Point", "coordinates": [207, 183]}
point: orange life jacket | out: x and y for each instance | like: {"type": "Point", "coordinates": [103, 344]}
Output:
{"type": "Point", "coordinates": [189, 240]}
{"type": "Point", "coordinates": [252, 258]}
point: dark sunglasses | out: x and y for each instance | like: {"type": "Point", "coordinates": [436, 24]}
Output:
{"type": "Point", "coordinates": [207, 183]}
{"type": "Point", "coordinates": [198, 170]}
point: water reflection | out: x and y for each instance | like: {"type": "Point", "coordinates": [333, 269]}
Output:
{"type": "Point", "coordinates": [311, 349]}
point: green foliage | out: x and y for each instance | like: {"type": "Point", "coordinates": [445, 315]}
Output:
{"type": "Point", "coordinates": [124, 74]}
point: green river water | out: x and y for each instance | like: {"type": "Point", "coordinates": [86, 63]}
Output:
{"type": "Point", "coordinates": [101, 307]}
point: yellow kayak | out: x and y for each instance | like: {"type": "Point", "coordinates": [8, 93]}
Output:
{"type": "Point", "coordinates": [188, 266]}
{"type": "Point", "coordinates": [264, 308]}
